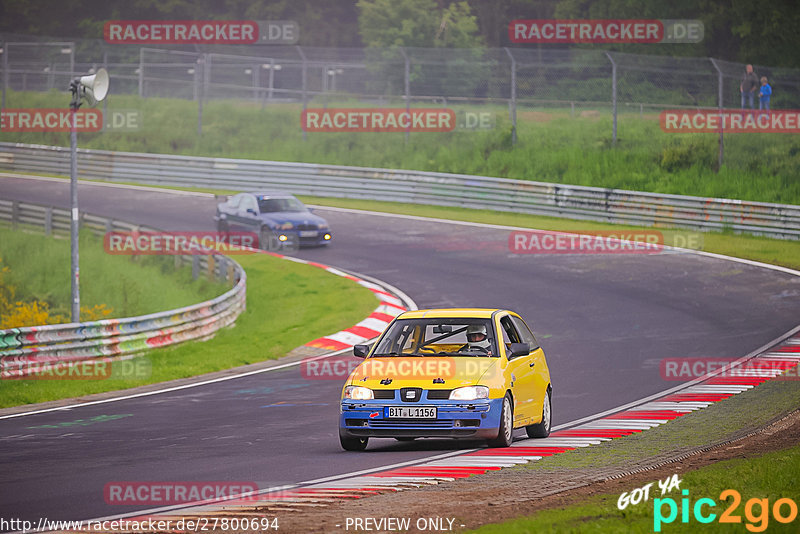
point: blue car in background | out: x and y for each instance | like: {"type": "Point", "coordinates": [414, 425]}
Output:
{"type": "Point", "coordinates": [281, 221]}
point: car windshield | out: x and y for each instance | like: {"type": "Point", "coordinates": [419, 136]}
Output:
{"type": "Point", "coordinates": [438, 337]}
{"type": "Point", "coordinates": [271, 205]}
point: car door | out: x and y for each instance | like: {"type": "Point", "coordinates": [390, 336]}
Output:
{"type": "Point", "coordinates": [521, 370]}
{"type": "Point", "coordinates": [540, 376]}
{"type": "Point", "coordinates": [248, 214]}
{"type": "Point", "coordinates": [229, 211]}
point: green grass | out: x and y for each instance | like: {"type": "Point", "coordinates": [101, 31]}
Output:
{"type": "Point", "coordinates": [771, 476]}
{"type": "Point", "coordinates": [288, 304]}
{"type": "Point", "coordinates": [40, 270]}
{"type": "Point", "coordinates": [738, 414]}
{"type": "Point", "coordinates": [553, 146]}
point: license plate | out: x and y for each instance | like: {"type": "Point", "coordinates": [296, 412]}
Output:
{"type": "Point", "coordinates": [308, 233]}
{"type": "Point", "coordinates": [409, 412]}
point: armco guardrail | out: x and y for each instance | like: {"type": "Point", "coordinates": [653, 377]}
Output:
{"type": "Point", "coordinates": [540, 198]}
{"type": "Point", "coordinates": [23, 350]}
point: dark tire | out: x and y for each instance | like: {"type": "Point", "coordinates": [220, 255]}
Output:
{"type": "Point", "coordinates": [542, 430]}
{"type": "Point", "coordinates": [352, 444]}
{"type": "Point", "coordinates": [267, 240]}
{"type": "Point", "coordinates": [222, 225]}
{"type": "Point", "coordinates": [506, 430]}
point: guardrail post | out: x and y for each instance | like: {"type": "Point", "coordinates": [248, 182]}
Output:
{"type": "Point", "coordinates": [271, 78]}
{"type": "Point", "coordinates": [613, 97]}
{"type": "Point", "coordinates": [305, 82]}
{"type": "Point", "coordinates": [141, 72]}
{"type": "Point", "coordinates": [195, 267]}
{"type": "Point", "coordinates": [14, 213]}
{"type": "Point", "coordinates": [721, 150]}
{"type": "Point", "coordinates": [48, 221]}
{"type": "Point", "coordinates": [5, 75]}
{"type": "Point", "coordinates": [513, 102]}
{"type": "Point", "coordinates": [211, 264]}
{"type": "Point", "coordinates": [407, 74]}
{"type": "Point", "coordinates": [201, 66]}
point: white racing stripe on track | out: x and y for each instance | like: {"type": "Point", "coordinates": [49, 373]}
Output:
{"type": "Point", "coordinates": [373, 324]}
{"type": "Point", "coordinates": [476, 461]}
{"type": "Point", "coordinates": [675, 406]}
{"type": "Point", "coordinates": [348, 338]}
{"type": "Point", "coordinates": [622, 424]}
{"type": "Point", "coordinates": [717, 388]}
{"type": "Point", "coordinates": [560, 442]}
{"type": "Point", "coordinates": [529, 458]}
{"type": "Point", "coordinates": [388, 310]}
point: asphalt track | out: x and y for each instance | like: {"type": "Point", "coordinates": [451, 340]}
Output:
{"type": "Point", "coordinates": [605, 322]}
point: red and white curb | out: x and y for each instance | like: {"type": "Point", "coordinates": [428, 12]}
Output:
{"type": "Point", "coordinates": [390, 307]}
{"type": "Point", "coordinates": [650, 413]}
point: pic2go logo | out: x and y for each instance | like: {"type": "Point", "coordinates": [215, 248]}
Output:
{"type": "Point", "coordinates": [756, 511]}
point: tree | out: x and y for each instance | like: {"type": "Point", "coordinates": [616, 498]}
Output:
{"type": "Point", "coordinates": [417, 23]}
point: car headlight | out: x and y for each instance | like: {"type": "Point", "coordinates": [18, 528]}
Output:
{"type": "Point", "coordinates": [322, 226]}
{"type": "Point", "coordinates": [470, 393]}
{"type": "Point", "coordinates": [286, 226]}
{"type": "Point", "coordinates": [358, 393]}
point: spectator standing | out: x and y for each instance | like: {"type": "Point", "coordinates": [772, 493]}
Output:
{"type": "Point", "coordinates": [764, 94]}
{"type": "Point", "coordinates": [748, 86]}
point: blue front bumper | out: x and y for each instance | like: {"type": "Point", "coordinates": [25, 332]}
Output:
{"type": "Point", "coordinates": [479, 419]}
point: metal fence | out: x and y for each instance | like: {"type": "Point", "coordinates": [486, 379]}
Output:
{"type": "Point", "coordinates": [576, 77]}
{"type": "Point", "coordinates": [521, 196]}
{"type": "Point", "coordinates": [24, 350]}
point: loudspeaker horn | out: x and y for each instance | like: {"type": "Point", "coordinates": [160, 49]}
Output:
{"type": "Point", "coordinates": [95, 86]}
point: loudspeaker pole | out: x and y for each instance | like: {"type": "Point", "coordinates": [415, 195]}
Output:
{"type": "Point", "coordinates": [73, 192]}
{"type": "Point", "coordinates": [94, 89]}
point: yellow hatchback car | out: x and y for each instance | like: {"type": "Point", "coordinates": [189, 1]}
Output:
{"type": "Point", "coordinates": [455, 373]}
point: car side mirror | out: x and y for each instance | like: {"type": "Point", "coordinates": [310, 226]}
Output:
{"type": "Point", "coordinates": [519, 349]}
{"type": "Point", "coordinates": [360, 351]}
{"type": "Point", "coordinates": [251, 211]}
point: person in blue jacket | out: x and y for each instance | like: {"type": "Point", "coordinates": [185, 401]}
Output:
{"type": "Point", "coordinates": [764, 94]}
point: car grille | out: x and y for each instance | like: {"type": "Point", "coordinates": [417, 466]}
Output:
{"type": "Point", "coordinates": [302, 227]}
{"type": "Point", "coordinates": [384, 394]}
{"type": "Point", "coordinates": [410, 394]}
{"type": "Point", "coordinates": [427, 423]}
{"type": "Point", "coordinates": [439, 394]}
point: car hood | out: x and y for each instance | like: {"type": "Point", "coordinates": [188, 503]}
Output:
{"type": "Point", "coordinates": [294, 217]}
{"type": "Point", "coordinates": [421, 372]}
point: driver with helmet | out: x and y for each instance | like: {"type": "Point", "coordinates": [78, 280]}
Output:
{"type": "Point", "coordinates": [477, 339]}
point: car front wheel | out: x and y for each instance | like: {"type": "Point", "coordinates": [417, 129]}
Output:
{"type": "Point", "coordinates": [506, 430]}
{"type": "Point", "coordinates": [542, 429]}
{"type": "Point", "coordinates": [267, 240]}
{"type": "Point", "coordinates": [350, 443]}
